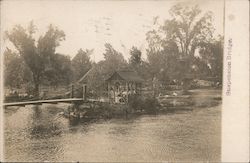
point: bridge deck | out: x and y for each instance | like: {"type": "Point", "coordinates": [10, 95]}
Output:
{"type": "Point", "coordinates": [37, 102]}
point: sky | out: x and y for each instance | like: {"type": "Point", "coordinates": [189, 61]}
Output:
{"type": "Point", "coordinates": [91, 24]}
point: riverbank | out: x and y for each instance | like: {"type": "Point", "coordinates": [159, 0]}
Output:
{"type": "Point", "coordinates": [198, 98]}
{"type": "Point", "coordinates": [41, 134]}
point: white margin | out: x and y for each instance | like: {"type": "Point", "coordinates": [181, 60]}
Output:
{"type": "Point", "coordinates": [1, 91]}
{"type": "Point", "coordinates": [235, 106]}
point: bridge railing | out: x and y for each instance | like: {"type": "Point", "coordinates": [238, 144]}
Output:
{"type": "Point", "coordinates": [52, 92]}
{"type": "Point", "coordinates": [69, 91]}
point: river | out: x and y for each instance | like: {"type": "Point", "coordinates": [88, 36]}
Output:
{"type": "Point", "coordinates": [41, 134]}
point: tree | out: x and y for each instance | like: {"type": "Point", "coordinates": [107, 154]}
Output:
{"type": "Point", "coordinates": [162, 59]}
{"type": "Point", "coordinates": [16, 72]}
{"type": "Point", "coordinates": [135, 57]}
{"type": "Point", "coordinates": [136, 63]}
{"type": "Point", "coordinates": [216, 61]}
{"type": "Point", "coordinates": [60, 71]}
{"type": "Point", "coordinates": [212, 55]}
{"type": "Point", "coordinates": [36, 56]}
{"type": "Point", "coordinates": [113, 60]}
{"type": "Point", "coordinates": [81, 63]}
{"type": "Point", "coordinates": [188, 28]}
{"type": "Point", "coordinates": [171, 48]}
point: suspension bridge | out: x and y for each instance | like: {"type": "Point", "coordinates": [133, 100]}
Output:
{"type": "Point", "coordinates": [70, 99]}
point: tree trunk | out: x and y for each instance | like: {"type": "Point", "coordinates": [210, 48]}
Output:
{"type": "Point", "coordinates": [36, 90]}
{"type": "Point", "coordinates": [36, 79]}
{"type": "Point", "coordinates": [154, 85]}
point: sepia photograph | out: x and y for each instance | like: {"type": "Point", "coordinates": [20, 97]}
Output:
{"type": "Point", "coordinates": [112, 80]}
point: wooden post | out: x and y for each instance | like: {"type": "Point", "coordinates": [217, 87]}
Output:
{"type": "Point", "coordinates": [109, 92]}
{"type": "Point", "coordinates": [72, 91]}
{"type": "Point", "coordinates": [127, 91]}
{"type": "Point", "coordinates": [114, 93]}
{"type": "Point", "coordinates": [84, 92]}
{"type": "Point", "coordinates": [140, 88]}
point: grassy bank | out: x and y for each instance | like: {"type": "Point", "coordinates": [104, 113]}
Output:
{"type": "Point", "coordinates": [138, 105]}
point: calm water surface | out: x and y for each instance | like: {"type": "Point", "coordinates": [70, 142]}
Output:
{"type": "Point", "coordinates": [41, 134]}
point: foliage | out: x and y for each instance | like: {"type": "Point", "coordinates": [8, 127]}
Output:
{"type": "Point", "coordinates": [188, 29]}
{"type": "Point", "coordinates": [81, 63]}
{"type": "Point", "coordinates": [162, 57]}
{"type": "Point", "coordinates": [135, 57]}
{"type": "Point", "coordinates": [113, 60]}
{"type": "Point", "coordinates": [149, 104]}
{"type": "Point", "coordinates": [172, 46]}
{"type": "Point", "coordinates": [183, 45]}
{"type": "Point", "coordinates": [37, 56]}
{"type": "Point", "coordinates": [212, 56]}
{"type": "Point", "coordinates": [16, 72]}
{"type": "Point", "coordinates": [135, 102]}
{"type": "Point", "coordinates": [137, 64]}
{"type": "Point", "coordinates": [95, 78]}
{"type": "Point", "coordinates": [60, 71]}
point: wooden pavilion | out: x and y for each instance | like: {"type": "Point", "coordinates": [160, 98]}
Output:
{"type": "Point", "coordinates": [122, 84]}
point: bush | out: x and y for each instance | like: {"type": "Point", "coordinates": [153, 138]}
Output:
{"type": "Point", "coordinates": [135, 102]}
{"type": "Point", "coordinates": [148, 104]}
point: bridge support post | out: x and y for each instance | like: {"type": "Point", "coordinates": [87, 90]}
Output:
{"type": "Point", "coordinates": [84, 92]}
{"type": "Point", "coordinates": [109, 96]}
{"type": "Point", "coordinates": [72, 91]}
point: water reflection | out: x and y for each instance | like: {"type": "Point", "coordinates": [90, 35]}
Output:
{"type": "Point", "coordinates": [43, 123]}
{"type": "Point", "coordinates": [41, 133]}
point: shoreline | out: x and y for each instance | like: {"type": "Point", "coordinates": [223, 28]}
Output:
{"type": "Point", "coordinates": [110, 111]}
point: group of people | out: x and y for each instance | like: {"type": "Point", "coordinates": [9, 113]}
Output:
{"type": "Point", "coordinates": [118, 96]}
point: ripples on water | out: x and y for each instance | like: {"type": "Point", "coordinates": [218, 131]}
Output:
{"type": "Point", "coordinates": [40, 134]}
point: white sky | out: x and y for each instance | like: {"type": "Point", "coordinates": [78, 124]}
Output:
{"type": "Point", "coordinates": [91, 24]}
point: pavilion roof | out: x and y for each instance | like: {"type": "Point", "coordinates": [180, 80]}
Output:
{"type": "Point", "coordinates": [127, 75]}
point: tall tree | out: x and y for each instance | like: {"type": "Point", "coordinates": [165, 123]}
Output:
{"type": "Point", "coordinates": [162, 57]}
{"type": "Point", "coordinates": [188, 28]}
{"type": "Point", "coordinates": [16, 72]}
{"type": "Point", "coordinates": [137, 64]}
{"type": "Point", "coordinates": [113, 60]}
{"type": "Point", "coordinates": [36, 55]}
{"type": "Point", "coordinates": [60, 71]}
{"type": "Point", "coordinates": [174, 44]}
{"type": "Point", "coordinates": [135, 56]}
{"type": "Point", "coordinates": [81, 63]}
{"type": "Point", "coordinates": [212, 55]}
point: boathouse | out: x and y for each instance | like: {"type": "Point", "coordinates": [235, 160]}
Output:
{"type": "Point", "coordinates": [122, 84]}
